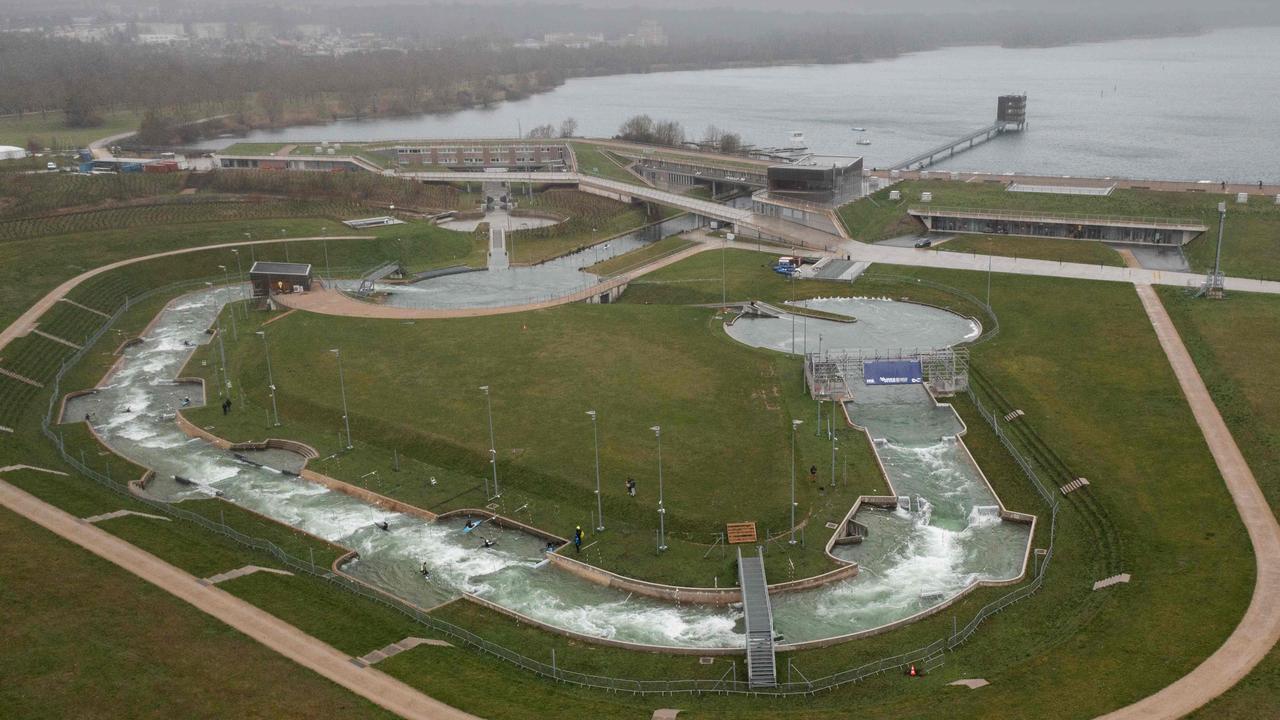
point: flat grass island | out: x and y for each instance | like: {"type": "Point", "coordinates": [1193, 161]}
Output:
{"type": "Point", "coordinates": [423, 457]}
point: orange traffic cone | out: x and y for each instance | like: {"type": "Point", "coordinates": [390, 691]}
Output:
{"type": "Point", "coordinates": [912, 672]}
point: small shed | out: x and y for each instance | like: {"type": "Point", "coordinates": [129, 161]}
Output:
{"type": "Point", "coordinates": [275, 278]}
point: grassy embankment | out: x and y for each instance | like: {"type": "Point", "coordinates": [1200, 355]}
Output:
{"type": "Point", "coordinates": [1250, 250]}
{"type": "Point", "coordinates": [1072, 251]}
{"type": "Point", "coordinates": [593, 160]}
{"type": "Point", "coordinates": [640, 256]}
{"type": "Point", "coordinates": [1235, 346]}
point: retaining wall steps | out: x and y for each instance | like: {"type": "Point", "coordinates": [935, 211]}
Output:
{"type": "Point", "coordinates": [1113, 580]}
{"type": "Point", "coordinates": [1073, 486]}
{"type": "Point", "coordinates": [122, 513]}
{"type": "Point", "coordinates": [396, 648]}
{"type": "Point", "coordinates": [241, 572]}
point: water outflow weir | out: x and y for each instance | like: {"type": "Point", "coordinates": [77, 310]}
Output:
{"type": "Point", "coordinates": [761, 670]}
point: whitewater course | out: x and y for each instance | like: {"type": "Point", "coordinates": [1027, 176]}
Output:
{"type": "Point", "coordinates": [944, 535]}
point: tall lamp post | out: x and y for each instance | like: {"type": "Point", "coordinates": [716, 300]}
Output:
{"type": "Point", "coordinates": [1217, 285]}
{"type": "Point", "coordinates": [595, 434]}
{"type": "Point", "coordinates": [240, 278]}
{"type": "Point", "coordinates": [342, 385]}
{"type": "Point", "coordinates": [271, 382]}
{"type": "Point", "coordinates": [662, 510]}
{"type": "Point", "coordinates": [794, 424]}
{"type": "Point", "coordinates": [493, 448]}
{"type": "Point", "coordinates": [226, 278]}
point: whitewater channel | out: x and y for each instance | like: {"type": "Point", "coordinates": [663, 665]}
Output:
{"type": "Point", "coordinates": [914, 557]}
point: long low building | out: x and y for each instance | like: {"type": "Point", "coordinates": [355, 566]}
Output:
{"type": "Point", "coordinates": [1103, 228]}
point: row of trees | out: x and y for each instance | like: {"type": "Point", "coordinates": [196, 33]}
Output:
{"type": "Point", "coordinates": [568, 128]}
{"type": "Point", "coordinates": [644, 129]}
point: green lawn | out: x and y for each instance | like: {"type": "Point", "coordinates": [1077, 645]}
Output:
{"type": "Point", "coordinates": [640, 256]}
{"type": "Point", "coordinates": [85, 638]}
{"type": "Point", "coordinates": [51, 130]}
{"type": "Point", "coordinates": [593, 160]}
{"type": "Point", "coordinates": [723, 407]}
{"type": "Point", "coordinates": [1075, 251]}
{"type": "Point", "coordinates": [1251, 248]}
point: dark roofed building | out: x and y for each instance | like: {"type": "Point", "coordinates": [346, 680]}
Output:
{"type": "Point", "coordinates": [274, 278]}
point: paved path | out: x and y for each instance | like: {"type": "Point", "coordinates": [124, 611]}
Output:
{"type": "Point", "coordinates": [398, 647]}
{"type": "Point", "coordinates": [1259, 629]}
{"type": "Point", "coordinates": [258, 624]}
{"type": "Point", "coordinates": [331, 302]}
{"type": "Point", "coordinates": [27, 321]}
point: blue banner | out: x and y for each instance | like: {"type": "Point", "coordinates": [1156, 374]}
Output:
{"type": "Point", "coordinates": [892, 372]}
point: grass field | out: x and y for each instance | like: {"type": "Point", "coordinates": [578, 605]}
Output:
{"type": "Point", "coordinates": [51, 130]}
{"type": "Point", "coordinates": [593, 160]}
{"type": "Point", "coordinates": [1250, 250]}
{"type": "Point", "coordinates": [1076, 251]}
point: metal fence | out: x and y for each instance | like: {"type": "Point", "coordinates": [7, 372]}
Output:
{"type": "Point", "coordinates": [724, 685]}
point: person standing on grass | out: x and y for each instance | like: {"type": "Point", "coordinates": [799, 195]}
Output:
{"type": "Point", "coordinates": [577, 539]}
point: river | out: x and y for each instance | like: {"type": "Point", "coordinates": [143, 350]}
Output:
{"type": "Point", "coordinates": [1191, 108]}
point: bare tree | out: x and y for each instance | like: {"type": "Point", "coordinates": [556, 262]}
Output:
{"type": "Point", "coordinates": [542, 132]}
{"type": "Point", "coordinates": [568, 128]}
{"type": "Point", "coordinates": [730, 142]}
{"type": "Point", "coordinates": [711, 136]}
{"type": "Point", "coordinates": [637, 128]}
{"type": "Point", "coordinates": [668, 132]}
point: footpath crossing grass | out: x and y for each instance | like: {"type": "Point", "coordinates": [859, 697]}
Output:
{"type": "Point", "coordinates": [85, 638]}
{"type": "Point", "coordinates": [1235, 348]}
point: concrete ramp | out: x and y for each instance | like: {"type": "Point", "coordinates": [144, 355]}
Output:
{"type": "Point", "coordinates": [498, 259]}
{"type": "Point", "coordinates": [761, 663]}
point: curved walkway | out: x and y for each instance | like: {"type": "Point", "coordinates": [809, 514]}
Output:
{"type": "Point", "coordinates": [1259, 629]}
{"type": "Point", "coordinates": [289, 641]}
{"type": "Point", "coordinates": [26, 322]}
{"type": "Point", "coordinates": [332, 302]}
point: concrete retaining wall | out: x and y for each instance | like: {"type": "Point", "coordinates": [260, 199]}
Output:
{"type": "Point", "coordinates": [293, 446]}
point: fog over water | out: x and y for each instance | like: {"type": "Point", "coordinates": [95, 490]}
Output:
{"type": "Point", "coordinates": [1193, 108]}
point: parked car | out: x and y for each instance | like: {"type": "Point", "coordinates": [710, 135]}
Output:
{"type": "Point", "coordinates": [924, 243]}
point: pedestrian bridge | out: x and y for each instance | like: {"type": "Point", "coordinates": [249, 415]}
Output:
{"type": "Point", "coordinates": [761, 663]}
{"type": "Point", "coordinates": [625, 192]}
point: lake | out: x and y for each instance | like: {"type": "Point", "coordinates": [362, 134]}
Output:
{"type": "Point", "coordinates": [1188, 108]}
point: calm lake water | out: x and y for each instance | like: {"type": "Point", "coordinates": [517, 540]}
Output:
{"type": "Point", "coordinates": [1181, 108]}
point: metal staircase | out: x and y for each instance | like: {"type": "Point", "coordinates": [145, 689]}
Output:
{"type": "Point", "coordinates": [761, 664]}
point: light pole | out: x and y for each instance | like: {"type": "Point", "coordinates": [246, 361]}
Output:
{"type": "Point", "coordinates": [271, 383]}
{"type": "Point", "coordinates": [595, 434]}
{"type": "Point", "coordinates": [662, 510]}
{"type": "Point", "coordinates": [1217, 260]}
{"type": "Point", "coordinates": [240, 277]}
{"type": "Point", "coordinates": [493, 448]}
{"type": "Point", "coordinates": [794, 424]}
{"type": "Point", "coordinates": [342, 385]}
{"type": "Point", "coordinates": [235, 334]}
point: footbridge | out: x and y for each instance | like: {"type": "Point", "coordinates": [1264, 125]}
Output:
{"type": "Point", "coordinates": [761, 664]}
{"type": "Point", "coordinates": [625, 192]}
{"type": "Point", "coordinates": [950, 148]}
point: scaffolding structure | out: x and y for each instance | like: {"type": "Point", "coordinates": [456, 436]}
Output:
{"type": "Point", "coordinates": [828, 374]}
